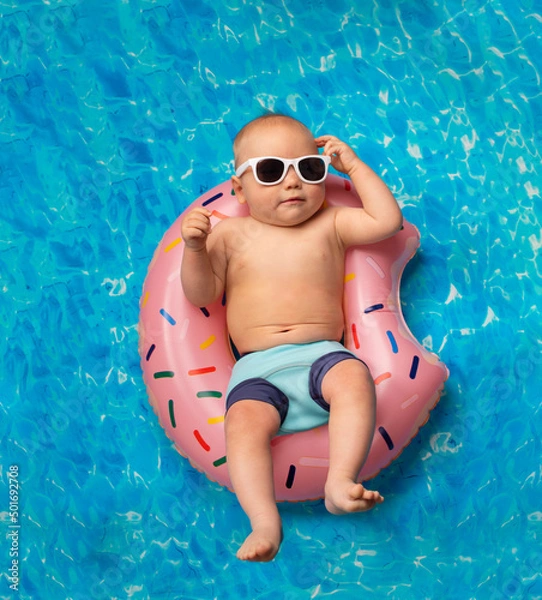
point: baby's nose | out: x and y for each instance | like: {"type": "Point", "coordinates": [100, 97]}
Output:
{"type": "Point", "coordinates": [291, 176]}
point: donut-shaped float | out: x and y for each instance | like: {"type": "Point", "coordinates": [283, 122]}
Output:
{"type": "Point", "coordinates": [187, 358]}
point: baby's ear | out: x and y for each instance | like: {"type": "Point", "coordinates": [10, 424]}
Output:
{"type": "Point", "coordinates": [238, 189]}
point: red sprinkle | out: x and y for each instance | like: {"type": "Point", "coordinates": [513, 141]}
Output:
{"type": "Point", "coordinates": [355, 336]}
{"type": "Point", "coordinates": [382, 377]}
{"type": "Point", "coordinates": [201, 441]}
{"type": "Point", "coordinates": [202, 371]}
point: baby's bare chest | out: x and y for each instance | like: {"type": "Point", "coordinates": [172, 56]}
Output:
{"type": "Point", "coordinates": [283, 256]}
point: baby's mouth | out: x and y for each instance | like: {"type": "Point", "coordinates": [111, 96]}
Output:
{"type": "Point", "coordinates": [292, 200]}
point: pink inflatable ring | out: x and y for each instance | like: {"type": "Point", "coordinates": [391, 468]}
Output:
{"type": "Point", "coordinates": [187, 358]}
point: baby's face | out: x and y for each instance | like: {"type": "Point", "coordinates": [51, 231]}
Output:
{"type": "Point", "coordinates": [290, 202]}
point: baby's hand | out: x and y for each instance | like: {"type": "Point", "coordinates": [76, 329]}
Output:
{"type": "Point", "coordinates": [343, 158]}
{"type": "Point", "coordinates": [195, 228]}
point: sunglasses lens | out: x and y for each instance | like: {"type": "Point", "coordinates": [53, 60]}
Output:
{"type": "Point", "coordinates": [269, 170]}
{"type": "Point", "coordinates": [312, 168]}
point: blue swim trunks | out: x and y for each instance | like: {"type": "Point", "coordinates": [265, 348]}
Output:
{"type": "Point", "coordinates": [288, 377]}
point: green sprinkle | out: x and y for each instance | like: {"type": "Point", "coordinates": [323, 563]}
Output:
{"type": "Point", "coordinates": [164, 374]}
{"type": "Point", "coordinates": [209, 394]}
{"type": "Point", "coordinates": [171, 406]}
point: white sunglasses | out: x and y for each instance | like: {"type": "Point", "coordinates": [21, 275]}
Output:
{"type": "Point", "coordinates": [270, 170]}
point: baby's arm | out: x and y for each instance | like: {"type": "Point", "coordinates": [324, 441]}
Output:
{"type": "Point", "coordinates": [203, 267]}
{"type": "Point", "coordinates": [380, 216]}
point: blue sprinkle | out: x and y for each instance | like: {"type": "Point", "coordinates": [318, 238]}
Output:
{"type": "Point", "coordinates": [291, 477]}
{"type": "Point", "coordinates": [414, 367]}
{"type": "Point", "coordinates": [372, 308]}
{"type": "Point", "coordinates": [149, 353]}
{"type": "Point", "coordinates": [168, 317]}
{"type": "Point", "coordinates": [205, 311]}
{"type": "Point", "coordinates": [206, 202]}
{"type": "Point", "coordinates": [393, 343]}
{"type": "Point", "coordinates": [386, 437]}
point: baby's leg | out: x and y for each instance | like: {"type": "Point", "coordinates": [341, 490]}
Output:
{"type": "Point", "coordinates": [250, 426]}
{"type": "Point", "coordinates": [349, 389]}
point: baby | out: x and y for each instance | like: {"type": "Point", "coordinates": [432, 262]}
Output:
{"type": "Point", "coordinates": [282, 268]}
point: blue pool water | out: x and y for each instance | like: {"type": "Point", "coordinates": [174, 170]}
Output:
{"type": "Point", "coordinates": [114, 116]}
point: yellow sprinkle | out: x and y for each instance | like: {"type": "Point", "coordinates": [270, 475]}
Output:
{"type": "Point", "coordinates": [145, 298]}
{"type": "Point", "coordinates": [172, 245]}
{"type": "Point", "coordinates": [349, 277]}
{"type": "Point", "coordinates": [207, 342]}
{"type": "Point", "coordinates": [215, 420]}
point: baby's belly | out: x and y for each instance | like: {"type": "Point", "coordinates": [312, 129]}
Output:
{"type": "Point", "coordinates": [252, 336]}
{"type": "Point", "coordinates": [293, 311]}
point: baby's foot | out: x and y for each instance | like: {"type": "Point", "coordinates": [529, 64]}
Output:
{"type": "Point", "coordinates": [262, 544]}
{"type": "Point", "coordinates": [346, 496]}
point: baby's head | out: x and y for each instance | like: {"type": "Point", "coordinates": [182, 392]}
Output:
{"type": "Point", "coordinates": [260, 126]}
{"type": "Point", "coordinates": [299, 193]}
